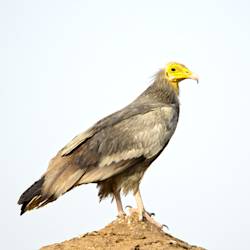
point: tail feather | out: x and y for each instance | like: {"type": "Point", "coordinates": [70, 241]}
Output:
{"type": "Point", "coordinates": [52, 184]}
{"type": "Point", "coordinates": [33, 197]}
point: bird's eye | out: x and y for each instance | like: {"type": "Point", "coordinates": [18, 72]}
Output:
{"type": "Point", "coordinates": [173, 69]}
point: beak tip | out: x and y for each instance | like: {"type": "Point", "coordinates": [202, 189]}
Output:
{"type": "Point", "coordinates": [195, 77]}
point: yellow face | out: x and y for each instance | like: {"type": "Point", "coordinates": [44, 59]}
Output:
{"type": "Point", "coordinates": [176, 72]}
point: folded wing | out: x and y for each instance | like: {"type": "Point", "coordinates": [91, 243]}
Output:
{"type": "Point", "coordinates": [108, 148]}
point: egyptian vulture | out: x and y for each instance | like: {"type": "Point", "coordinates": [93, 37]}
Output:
{"type": "Point", "coordinates": [117, 150]}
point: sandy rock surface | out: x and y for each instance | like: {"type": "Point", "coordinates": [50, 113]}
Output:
{"type": "Point", "coordinates": [124, 234]}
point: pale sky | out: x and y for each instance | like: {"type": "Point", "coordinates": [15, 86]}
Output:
{"type": "Point", "coordinates": [66, 64]}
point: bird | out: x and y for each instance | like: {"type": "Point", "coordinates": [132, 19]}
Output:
{"type": "Point", "coordinates": [117, 150]}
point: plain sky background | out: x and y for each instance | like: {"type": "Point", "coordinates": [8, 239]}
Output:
{"type": "Point", "coordinates": [66, 64]}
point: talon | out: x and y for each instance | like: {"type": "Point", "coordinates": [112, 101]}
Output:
{"type": "Point", "coordinates": [151, 220]}
{"type": "Point", "coordinates": [121, 215]}
{"type": "Point", "coordinates": [128, 206]}
{"type": "Point", "coordinates": [131, 210]}
{"type": "Point", "coordinates": [164, 225]}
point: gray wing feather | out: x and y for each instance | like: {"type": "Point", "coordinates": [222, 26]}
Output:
{"type": "Point", "coordinates": [76, 141]}
{"type": "Point", "coordinates": [143, 135]}
{"type": "Point", "coordinates": [111, 120]}
{"type": "Point", "coordinates": [111, 146]}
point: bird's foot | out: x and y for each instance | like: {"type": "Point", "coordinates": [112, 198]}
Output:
{"type": "Point", "coordinates": [121, 215]}
{"type": "Point", "coordinates": [149, 218]}
{"type": "Point", "coordinates": [144, 215]}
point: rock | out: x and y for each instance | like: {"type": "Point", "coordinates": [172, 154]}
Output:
{"type": "Point", "coordinates": [125, 233]}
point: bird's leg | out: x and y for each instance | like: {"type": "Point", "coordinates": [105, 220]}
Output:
{"type": "Point", "coordinates": [140, 207]}
{"type": "Point", "coordinates": [143, 214]}
{"type": "Point", "coordinates": [118, 201]}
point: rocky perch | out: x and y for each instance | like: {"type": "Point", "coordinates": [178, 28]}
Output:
{"type": "Point", "coordinates": [125, 234]}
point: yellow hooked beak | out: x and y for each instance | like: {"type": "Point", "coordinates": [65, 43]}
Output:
{"type": "Point", "coordinates": [194, 77]}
